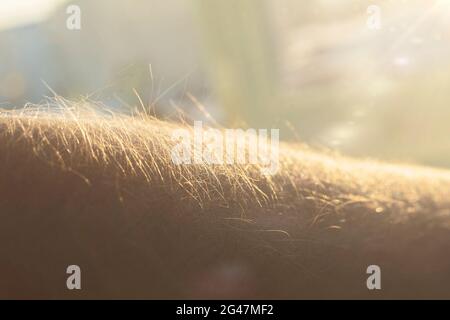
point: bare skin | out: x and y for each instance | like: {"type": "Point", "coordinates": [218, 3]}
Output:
{"type": "Point", "coordinates": [103, 194]}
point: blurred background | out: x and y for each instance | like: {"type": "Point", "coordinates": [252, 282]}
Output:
{"type": "Point", "coordinates": [367, 78]}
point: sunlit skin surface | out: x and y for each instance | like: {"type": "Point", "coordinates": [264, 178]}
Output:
{"type": "Point", "coordinates": [101, 191]}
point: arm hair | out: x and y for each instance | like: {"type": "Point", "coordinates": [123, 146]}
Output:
{"type": "Point", "coordinates": [102, 192]}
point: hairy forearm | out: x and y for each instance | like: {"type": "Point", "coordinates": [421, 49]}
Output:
{"type": "Point", "coordinates": [106, 195]}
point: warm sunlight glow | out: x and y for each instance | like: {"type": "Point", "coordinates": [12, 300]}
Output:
{"type": "Point", "coordinates": [14, 13]}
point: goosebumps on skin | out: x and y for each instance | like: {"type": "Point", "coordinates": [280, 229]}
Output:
{"type": "Point", "coordinates": [101, 192]}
